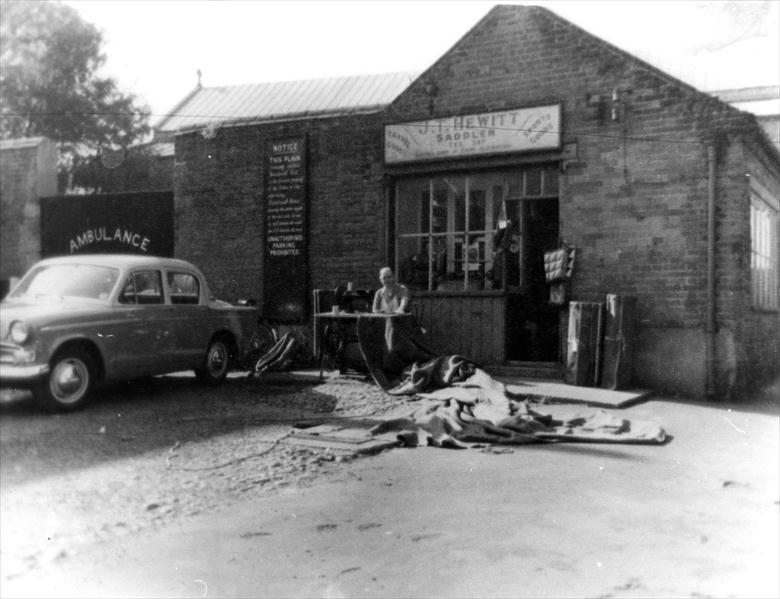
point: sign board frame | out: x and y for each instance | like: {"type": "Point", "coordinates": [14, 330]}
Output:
{"type": "Point", "coordinates": [285, 231]}
{"type": "Point", "coordinates": [522, 130]}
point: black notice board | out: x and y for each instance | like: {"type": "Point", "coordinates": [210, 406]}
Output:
{"type": "Point", "coordinates": [286, 272]}
{"type": "Point", "coordinates": [123, 223]}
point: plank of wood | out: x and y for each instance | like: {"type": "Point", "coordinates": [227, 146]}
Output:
{"type": "Point", "coordinates": [563, 393]}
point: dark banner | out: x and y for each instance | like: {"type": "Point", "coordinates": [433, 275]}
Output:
{"type": "Point", "coordinates": [123, 223]}
{"type": "Point", "coordinates": [285, 272]}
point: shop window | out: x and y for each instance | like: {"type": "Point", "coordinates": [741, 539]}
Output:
{"type": "Point", "coordinates": [465, 232]}
{"type": "Point", "coordinates": [763, 255]}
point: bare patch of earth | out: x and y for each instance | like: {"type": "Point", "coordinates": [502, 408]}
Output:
{"type": "Point", "coordinates": [156, 450]}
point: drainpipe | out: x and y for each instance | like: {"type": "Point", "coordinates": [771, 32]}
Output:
{"type": "Point", "coordinates": [710, 325]}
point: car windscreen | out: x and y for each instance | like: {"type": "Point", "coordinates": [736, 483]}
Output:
{"type": "Point", "coordinates": [67, 280]}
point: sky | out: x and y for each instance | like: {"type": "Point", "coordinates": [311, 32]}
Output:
{"type": "Point", "coordinates": [155, 48]}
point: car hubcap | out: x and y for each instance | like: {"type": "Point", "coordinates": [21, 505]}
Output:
{"type": "Point", "coordinates": [217, 360]}
{"type": "Point", "coordinates": [69, 381]}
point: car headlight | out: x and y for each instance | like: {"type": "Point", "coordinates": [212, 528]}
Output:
{"type": "Point", "coordinates": [19, 332]}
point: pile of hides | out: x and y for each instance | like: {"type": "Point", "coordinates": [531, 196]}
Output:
{"type": "Point", "coordinates": [454, 403]}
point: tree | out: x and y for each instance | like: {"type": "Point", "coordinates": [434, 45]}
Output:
{"type": "Point", "coordinates": [50, 85]}
{"type": "Point", "coordinates": [138, 169]}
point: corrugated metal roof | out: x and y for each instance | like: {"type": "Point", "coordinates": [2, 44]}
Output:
{"type": "Point", "coordinates": [164, 149]}
{"type": "Point", "coordinates": [285, 100]}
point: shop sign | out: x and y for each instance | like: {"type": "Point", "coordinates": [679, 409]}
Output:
{"type": "Point", "coordinates": [522, 130]}
{"type": "Point", "coordinates": [125, 223]}
{"type": "Point", "coordinates": [285, 272]}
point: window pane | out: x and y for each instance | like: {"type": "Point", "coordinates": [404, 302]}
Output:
{"type": "Point", "coordinates": [497, 201]}
{"type": "Point", "coordinates": [184, 288]}
{"type": "Point", "coordinates": [439, 224]}
{"type": "Point", "coordinates": [449, 204]}
{"type": "Point", "coordinates": [440, 259]}
{"type": "Point", "coordinates": [508, 257]}
{"type": "Point", "coordinates": [412, 206]}
{"type": "Point", "coordinates": [763, 258]}
{"type": "Point", "coordinates": [148, 287]}
{"type": "Point", "coordinates": [413, 262]}
{"type": "Point", "coordinates": [551, 181]}
{"type": "Point", "coordinates": [516, 185]}
{"type": "Point", "coordinates": [477, 206]}
{"type": "Point", "coordinates": [533, 182]}
{"type": "Point", "coordinates": [128, 292]}
{"type": "Point", "coordinates": [449, 262]}
{"type": "Point", "coordinates": [79, 280]}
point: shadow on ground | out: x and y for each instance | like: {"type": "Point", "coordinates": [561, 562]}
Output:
{"type": "Point", "coordinates": [132, 418]}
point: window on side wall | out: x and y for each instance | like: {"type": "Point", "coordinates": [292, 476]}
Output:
{"type": "Point", "coordinates": [763, 250]}
{"type": "Point", "coordinates": [465, 232]}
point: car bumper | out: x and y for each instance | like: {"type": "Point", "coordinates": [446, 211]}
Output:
{"type": "Point", "coordinates": [16, 375]}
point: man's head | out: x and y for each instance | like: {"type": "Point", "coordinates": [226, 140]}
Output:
{"type": "Point", "coordinates": [386, 276]}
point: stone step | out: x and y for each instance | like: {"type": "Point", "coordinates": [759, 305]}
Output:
{"type": "Point", "coordinates": [551, 371]}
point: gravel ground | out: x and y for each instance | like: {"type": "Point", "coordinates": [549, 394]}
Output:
{"type": "Point", "coordinates": [153, 451]}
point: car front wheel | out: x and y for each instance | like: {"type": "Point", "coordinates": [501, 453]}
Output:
{"type": "Point", "coordinates": [216, 364]}
{"type": "Point", "coordinates": [69, 383]}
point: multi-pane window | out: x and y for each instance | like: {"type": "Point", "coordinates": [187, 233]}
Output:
{"type": "Point", "coordinates": [465, 232]}
{"type": "Point", "coordinates": [763, 254]}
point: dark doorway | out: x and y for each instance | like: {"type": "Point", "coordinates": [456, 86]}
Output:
{"type": "Point", "coordinates": [533, 329]}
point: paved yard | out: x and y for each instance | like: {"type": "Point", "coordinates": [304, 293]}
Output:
{"type": "Point", "coordinates": [222, 509]}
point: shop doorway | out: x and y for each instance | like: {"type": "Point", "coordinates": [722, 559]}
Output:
{"type": "Point", "coordinates": [532, 324]}
{"type": "Point", "coordinates": [475, 242]}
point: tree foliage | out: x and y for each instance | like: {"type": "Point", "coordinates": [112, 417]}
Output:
{"type": "Point", "coordinates": [50, 84]}
{"type": "Point", "coordinates": [138, 169]}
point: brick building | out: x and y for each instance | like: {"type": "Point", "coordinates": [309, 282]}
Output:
{"type": "Point", "coordinates": [28, 171]}
{"type": "Point", "coordinates": [529, 132]}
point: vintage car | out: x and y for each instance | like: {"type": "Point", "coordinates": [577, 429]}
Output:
{"type": "Point", "coordinates": [74, 322]}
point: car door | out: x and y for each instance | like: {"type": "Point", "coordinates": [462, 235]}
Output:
{"type": "Point", "coordinates": [191, 327]}
{"type": "Point", "coordinates": [143, 342]}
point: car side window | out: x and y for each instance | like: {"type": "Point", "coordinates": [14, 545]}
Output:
{"type": "Point", "coordinates": [184, 288]}
{"type": "Point", "coordinates": [143, 287]}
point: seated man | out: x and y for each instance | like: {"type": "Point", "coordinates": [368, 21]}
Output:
{"type": "Point", "coordinates": [392, 297]}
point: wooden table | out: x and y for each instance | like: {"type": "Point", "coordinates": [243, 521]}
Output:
{"type": "Point", "coordinates": [342, 333]}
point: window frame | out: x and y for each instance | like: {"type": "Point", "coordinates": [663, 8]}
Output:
{"type": "Point", "coordinates": [460, 259]}
{"type": "Point", "coordinates": [132, 278]}
{"type": "Point", "coordinates": [181, 297]}
{"type": "Point", "coordinates": [764, 241]}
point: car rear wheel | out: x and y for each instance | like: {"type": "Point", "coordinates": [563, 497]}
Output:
{"type": "Point", "coordinates": [216, 363]}
{"type": "Point", "coordinates": [70, 381]}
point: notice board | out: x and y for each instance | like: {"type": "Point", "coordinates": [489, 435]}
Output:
{"type": "Point", "coordinates": [285, 269]}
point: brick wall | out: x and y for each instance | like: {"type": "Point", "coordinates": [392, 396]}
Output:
{"type": "Point", "coordinates": [219, 191]}
{"type": "Point", "coordinates": [28, 171]}
{"type": "Point", "coordinates": [760, 330]}
{"type": "Point", "coordinates": [635, 200]}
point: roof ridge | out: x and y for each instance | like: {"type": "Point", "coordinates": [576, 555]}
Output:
{"type": "Point", "coordinates": [255, 102]}
{"type": "Point", "coordinates": [306, 80]}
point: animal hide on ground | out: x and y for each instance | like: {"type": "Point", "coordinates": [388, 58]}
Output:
{"type": "Point", "coordinates": [456, 403]}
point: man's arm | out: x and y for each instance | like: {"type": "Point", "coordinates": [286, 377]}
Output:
{"type": "Point", "coordinates": [404, 304]}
